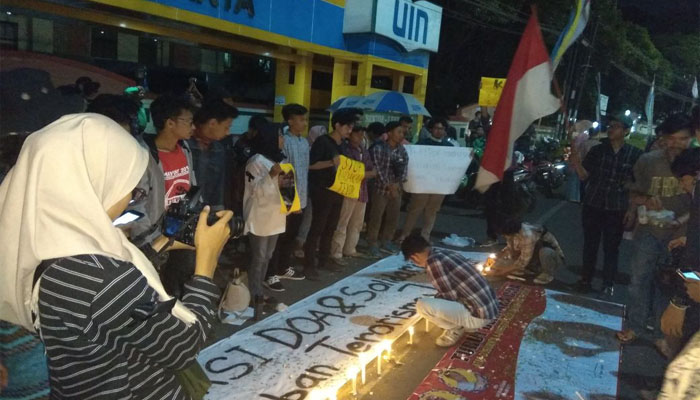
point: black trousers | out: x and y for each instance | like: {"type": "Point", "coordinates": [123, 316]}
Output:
{"type": "Point", "coordinates": [606, 225]}
{"type": "Point", "coordinates": [177, 271]}
{"type": "Point", "coordinates": [324, 220]}
{"type": "Point", "coordinates": [281, 258]}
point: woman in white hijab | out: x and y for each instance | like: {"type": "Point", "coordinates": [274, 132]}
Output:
{"type": "Point", "coordinates": [109, 327]}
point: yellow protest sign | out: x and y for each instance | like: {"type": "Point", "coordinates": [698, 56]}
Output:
{"type": "Point", "coordinates": [289, 198]}
{"type": "Point", "coordinates": [490, 91]}
{"type": "Point", "coordinates": [348, 178]}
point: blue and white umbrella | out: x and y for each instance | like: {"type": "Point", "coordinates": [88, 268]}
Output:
{"type": "Point", "coordinates": [397, 102]}
{"type": "Point", "coordinates": [346, 102]}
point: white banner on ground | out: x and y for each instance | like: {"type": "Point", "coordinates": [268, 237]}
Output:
{"type": "Point", "coordinates": [312, 344]}
{"type": "Point", "coordinates": [436, 169]}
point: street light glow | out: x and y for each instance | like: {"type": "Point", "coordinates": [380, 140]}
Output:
{"type": "Point", "coordinates": [627, 113]}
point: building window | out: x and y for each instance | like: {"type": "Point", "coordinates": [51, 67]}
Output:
{"type": "Point", "coordinates": [148, 50]}
{"type": "Point", "coordinates": [321, 80]}
{"type": "Point", "coordinates": [382, 82]}
{"type": "Point", "coordinates": [9, 33]}
{"type": "Point", "coordinates": [292, 74]}
{"type": "Point", "coordinates": [103, 43]}
{"type": "Point", "coordinates": [408, 84]}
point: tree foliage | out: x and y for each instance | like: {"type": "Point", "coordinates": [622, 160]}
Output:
{"type": "Point", "coordinates": [479, 38]}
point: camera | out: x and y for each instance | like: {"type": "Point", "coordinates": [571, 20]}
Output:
{"type": "Point", "coordinates": [180, 220]}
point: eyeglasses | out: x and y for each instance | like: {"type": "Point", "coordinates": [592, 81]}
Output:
{"type": "Point", "coordinates": [137, 195]}
{"type": "Point", "coordinates": [188, 121]}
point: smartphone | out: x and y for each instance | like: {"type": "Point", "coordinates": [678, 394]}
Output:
{"type": "Point", "coordinates": [127, 217]}
{"type": "Point", "coordinates": [691, 276]}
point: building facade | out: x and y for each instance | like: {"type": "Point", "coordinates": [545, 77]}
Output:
{"type": "Point", "coordinates": [265, 52]}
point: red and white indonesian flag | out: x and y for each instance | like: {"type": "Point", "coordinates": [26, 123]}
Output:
{"type": "Point", "coordinates": [526, 97]}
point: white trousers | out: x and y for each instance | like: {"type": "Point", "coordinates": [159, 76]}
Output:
{"type": "Point", "coordinates": [347, 233]}
{"type": "Point", "coordinates": [448, 314]}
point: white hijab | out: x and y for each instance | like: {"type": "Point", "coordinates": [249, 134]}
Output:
{"type": "Point", "coordinates": [53, 202]}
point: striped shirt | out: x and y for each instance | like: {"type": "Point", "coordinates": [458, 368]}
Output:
{"type": "Point", "coordinates": [456, 278]}
{"type": "Point", "coordinates": [108, 337]}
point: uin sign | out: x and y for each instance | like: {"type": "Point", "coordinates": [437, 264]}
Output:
{"type": "Point", "coordinates": [413, 25]}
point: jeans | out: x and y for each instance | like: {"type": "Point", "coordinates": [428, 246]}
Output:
{"type": "Point", "coordinates": [305, 223]}
{"type": "Point", "coordinates": [647, 251]}
{"type": "Point", "coordinates": [428, 205]}
{"type": "Point", "coordinates": [262, 248]}
{"type": "Point", "coordinates": [326, 212]}
{"type": "Point", "coordinates": [281, 258]}
{"type": "Point", "coordinates": [347, 234]}
{"type": "Point", "coordinates": [383, 208]}
{"type": "Point", "coordinates": [607, 224]}
{"type": "Point", "coordinates": [448, 314]}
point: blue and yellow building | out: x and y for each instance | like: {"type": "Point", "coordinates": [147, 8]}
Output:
{"type": "Point", "coordinates": [313, 51]}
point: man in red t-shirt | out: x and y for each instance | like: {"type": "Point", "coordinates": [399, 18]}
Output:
{"type": "Point", "coordinates": [174, 122]}
{"type": "Point", "coordinates": [173, 119]}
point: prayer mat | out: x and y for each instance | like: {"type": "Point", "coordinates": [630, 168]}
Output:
{"type": "Point", "coordinates": [544, 345]}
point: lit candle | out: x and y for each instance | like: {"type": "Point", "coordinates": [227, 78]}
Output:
{"type": "Point", "coordinates": [411, 331]}
{"type": "Point", "coordinates": [386, 344]}
{"type": "Point", "coordinates": [352, 374]}
{"type": "Point", "coordinates": [316, 395]}
{"type": "Point", "coordinates": [480, 267]}
{"type": "Point", "coordinates": [427, 325]}
{"type": "Point", "coordinates": [492, 255]}
{"type": "Point", "coordinates": [363, 365]}
{"type": "Point", "coordinates": [379, 358]}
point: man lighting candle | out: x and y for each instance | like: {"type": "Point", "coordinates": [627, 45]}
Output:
{"type": "Point", "coordinates": [464, 299]}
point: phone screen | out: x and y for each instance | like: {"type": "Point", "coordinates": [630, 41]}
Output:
{"type": "Point", "coordinates": [690, 276]}
{"type": "Point", "coordinates": [127, 217]}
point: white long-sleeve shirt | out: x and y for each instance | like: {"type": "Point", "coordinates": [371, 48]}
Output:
{"type": "Point", "coordinates": [261, 199]}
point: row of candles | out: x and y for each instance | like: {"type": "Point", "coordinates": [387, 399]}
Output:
{"type": "Point", "coordinates": [383, 347]}
{"type": "Point", "coordinates": [365, 358]}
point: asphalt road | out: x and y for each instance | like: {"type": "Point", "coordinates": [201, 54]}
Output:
{"type": "Point", "coordinates": [642, 367]}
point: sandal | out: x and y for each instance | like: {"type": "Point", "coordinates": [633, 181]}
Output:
{"type": "Point", "coordinates": [626, 336]}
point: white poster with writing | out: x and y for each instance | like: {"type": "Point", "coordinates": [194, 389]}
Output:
{"type": "Point", "coordinates": [436, 169]}
{"type": "Point", "coordinates": [312, 344]}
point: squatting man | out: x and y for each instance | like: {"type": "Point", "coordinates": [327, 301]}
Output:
{"type": "Point", "coordinates": [464, 299]}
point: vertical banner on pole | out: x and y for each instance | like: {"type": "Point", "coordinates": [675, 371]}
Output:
{"type": "Point", "coordinates": [490, 90]}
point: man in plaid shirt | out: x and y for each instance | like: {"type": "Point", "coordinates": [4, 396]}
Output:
{"type": "Point", "coordinates": [464, 299]}
{"type": "Point", "coordinates": [607, 169]}
{"type": "Point", "coordinates": [391, 163]}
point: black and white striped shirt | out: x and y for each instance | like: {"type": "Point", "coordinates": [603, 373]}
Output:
{"type": "Point", "coordinates": [108, 337]}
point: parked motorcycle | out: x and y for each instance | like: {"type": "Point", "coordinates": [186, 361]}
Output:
{"type": "Point", "coordinates": [549, 176]}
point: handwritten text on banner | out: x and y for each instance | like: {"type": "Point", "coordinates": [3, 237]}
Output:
{"type": "Point", "coordinates": [348, 178]}
{"type": "Point", "coordinates": [313, 343]}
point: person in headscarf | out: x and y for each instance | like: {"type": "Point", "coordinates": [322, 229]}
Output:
{"type": "Point", "coordinates": [262, 209]}
{"type": "Point", "coordinates": [109, 327]}
{"type": "Point", "coordinates": [315, 132]}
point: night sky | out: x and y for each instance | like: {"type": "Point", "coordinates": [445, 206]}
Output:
{"type": "Point", "coordinates": [663, 16]}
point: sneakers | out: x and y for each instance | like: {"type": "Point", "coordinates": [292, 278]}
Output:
{"type": "Point", "coordinates": [608, 291]}
{"type": "Point", "coordinates": [543, 279]}
{"type": "Point", "coordinates": [339, 261]}
{"type": "Point", "coordinates": [390, 248]}
{"type": "Point", "coordinates": [293, 274]}
{"type": "Point", "coordinates": [273, 283]}
{"type": "Point", "coordinates": [374, 252]}
{"type": "Point", "coordinates": [449, 337]}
